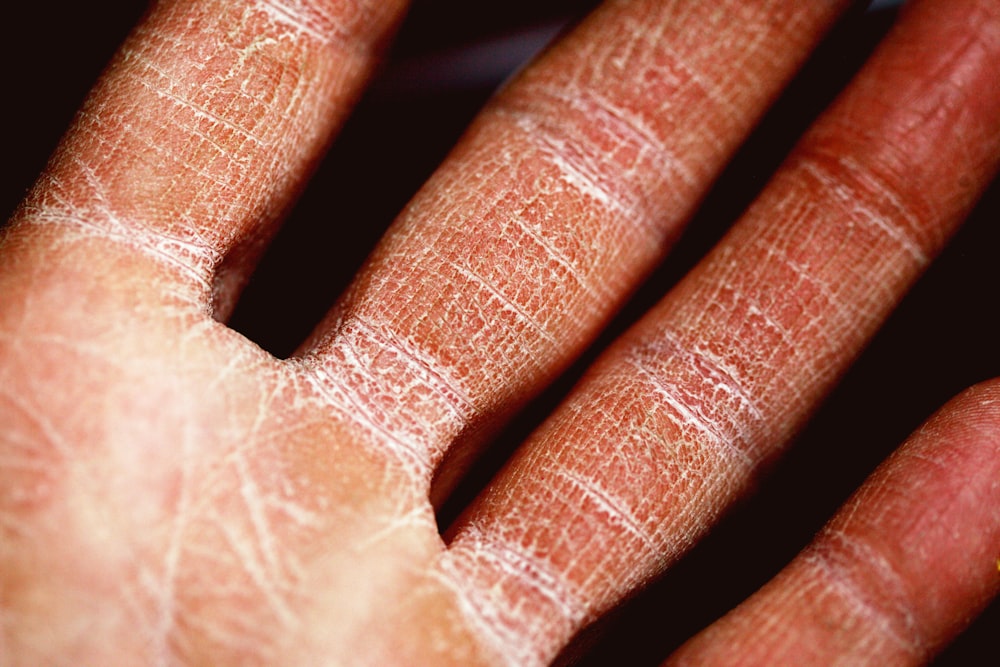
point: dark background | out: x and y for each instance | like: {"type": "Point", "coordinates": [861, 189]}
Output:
{"type": "Point", "coordinates": [942, 339]}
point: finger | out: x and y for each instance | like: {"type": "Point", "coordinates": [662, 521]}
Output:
{"type": "Point", "coordinates": [560, 198]}
{"type": "Point", "coordinates": [676, 419]}
{"type": "Point", "coordinates": [900, 570]}
{"type": "Point", "coordinates": [203, 129]}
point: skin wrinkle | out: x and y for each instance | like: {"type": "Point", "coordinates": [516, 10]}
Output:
{"type": "Point", "coordinates": [143, 571]}
{"type": "Point", "coordinates": [165, 590]}
{"type": "Point", "coordinates": [780, 644]}
{"type": "Point", "coordinates": [578, 173]}
{"type": "Point", "coordinates": [158, 575]}
{"type": "Point", "coordinates": [687, 452]}
{"type": "Point", "coordinates": [728, 308]}
{"type": "Point", "coordinates": [485, 608]}
{"type": "Point", "coordinates": [598, 526]}
{"type": "Point", "coordinates": [198, 97]}
{"type": "Point", "coordinates": [295, 18]}
{"type": "Point", "coordinates": [806, 275]}
{"type": "Point", "coordinates": [948, 100]}
{"type": "Point", "coordinates": [247, 558]}
{"type": "Point", "coordinates": [244, 110]}
{"type": "Point", "coordinates": [520, 167]}
{"type": "Point", "coordinates": [562, 258]}
{"type": "Point", "coordinates": [506, 304]}
{"type": "Point", "coordinates": [675, 67]}
{"type": "Point", "coordinates": [205, 113]}
{"type": "Point", "coordinates": [191, 260]}
{"type": "Point", "coordinates": [55, 448]}
{"type": "Point", "coordinates": [631, 130]}
{"type": "Point", "coordinates": [132, 599]}
{"type": "Point", "coordinates": [161, 606]}
{"type": "Point", "coordinates": [278, 577]}
{"type": "Point", "coordinates": [686, 416]}
{"type": "Point", "coordinates": [861, 594]}
{"type": "Point", "coordinates": [420, 386]}
{"type": "Point", "coordinates": [419, 518]}
{"type": "Point", "coordinates": [835, 561]}
{"type": "Point", "coordinates": [340, 24]}
{"type": "Point", "coordinates": [729, 332]}
{"type": "Point", "coordinates": [270, 606]}
{"type": "Point", "coordinates": [154, 632]}
{"type": "Point", "coordinates": [669, 85]}
{"type": "Point", "coordinates": [715, 368]}
{"type": "Point", "coordinates": [827, 275]}
{"type": "Point", "coordinates": [349, 404]}
{"type": "Point", "coordinates": [21, 498]}
{"type": "Point", "coordinates": [449, 388]}
{"type": "Point", "coordinates": [901, 225]}
{"type": "Point", "coordinates": [265, 554]}
{"type": "Point", "coordinates": [617, 511]}
{"type": "Point", "coordinates": [632, 191]}
{"type": "Point", "coordinates": [278, 128]}
{"type": "Point", "coordinates": [818, 298]}
{"type": "Point", "coordinates": [737, 78]}
{"type": "Point", "coordinates": [542, 623]}
{"type": "Point", "coordinates": [58, 443]}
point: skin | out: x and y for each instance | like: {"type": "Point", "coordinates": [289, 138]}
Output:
{"type": "Point", "coordinates": [860, 594]}
{"type": "Point", "coordinates": [172, 494]}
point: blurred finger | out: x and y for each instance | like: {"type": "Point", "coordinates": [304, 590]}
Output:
{"type": "Point", "coordinates": [900, 570]}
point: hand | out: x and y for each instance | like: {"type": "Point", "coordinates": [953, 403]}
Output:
{"type": "Point", "coordinates": [173, 493]}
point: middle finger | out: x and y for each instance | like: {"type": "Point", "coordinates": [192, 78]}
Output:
{"type": "Point", "coordinates": [559, 200]}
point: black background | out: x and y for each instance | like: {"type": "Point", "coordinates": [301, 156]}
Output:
{"type": "Point", "coordinates": [942, 339]}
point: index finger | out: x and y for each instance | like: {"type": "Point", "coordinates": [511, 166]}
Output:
{"type": "Point", "coordinates": [199, 135]}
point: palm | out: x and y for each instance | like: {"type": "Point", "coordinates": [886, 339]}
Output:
{"type": "Point", "coordinates": [203, 518]}
{"type": "Point", "coordinates": [173, 493]}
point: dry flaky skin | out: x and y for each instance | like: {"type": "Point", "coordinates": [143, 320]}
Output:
{"type": "Point", "coordinates": [170, 494]}
{"type": "Point", "coordinates": [559, 199]}
{"type": "Point", "coordinates": [671, 424]}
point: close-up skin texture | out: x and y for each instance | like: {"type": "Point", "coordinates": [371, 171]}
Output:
{"type": "Point", "coordinates": [173, 493]}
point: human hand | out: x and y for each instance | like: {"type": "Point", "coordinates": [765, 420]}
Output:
{"type": "Point", "coordinates": [244, 509]}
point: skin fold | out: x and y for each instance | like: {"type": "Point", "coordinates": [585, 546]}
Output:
{"type": "Point", "coordinates": [170, 493]}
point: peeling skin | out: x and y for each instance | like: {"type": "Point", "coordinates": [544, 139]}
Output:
{"type": "Point", "coordinates": [171, 494]}
{"type": "Point", "coordinates": [501, 267]}
{"type": "Point", "coordinates": [202, 129]}
{"type": "Point", "coordinates": [682, 411]}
